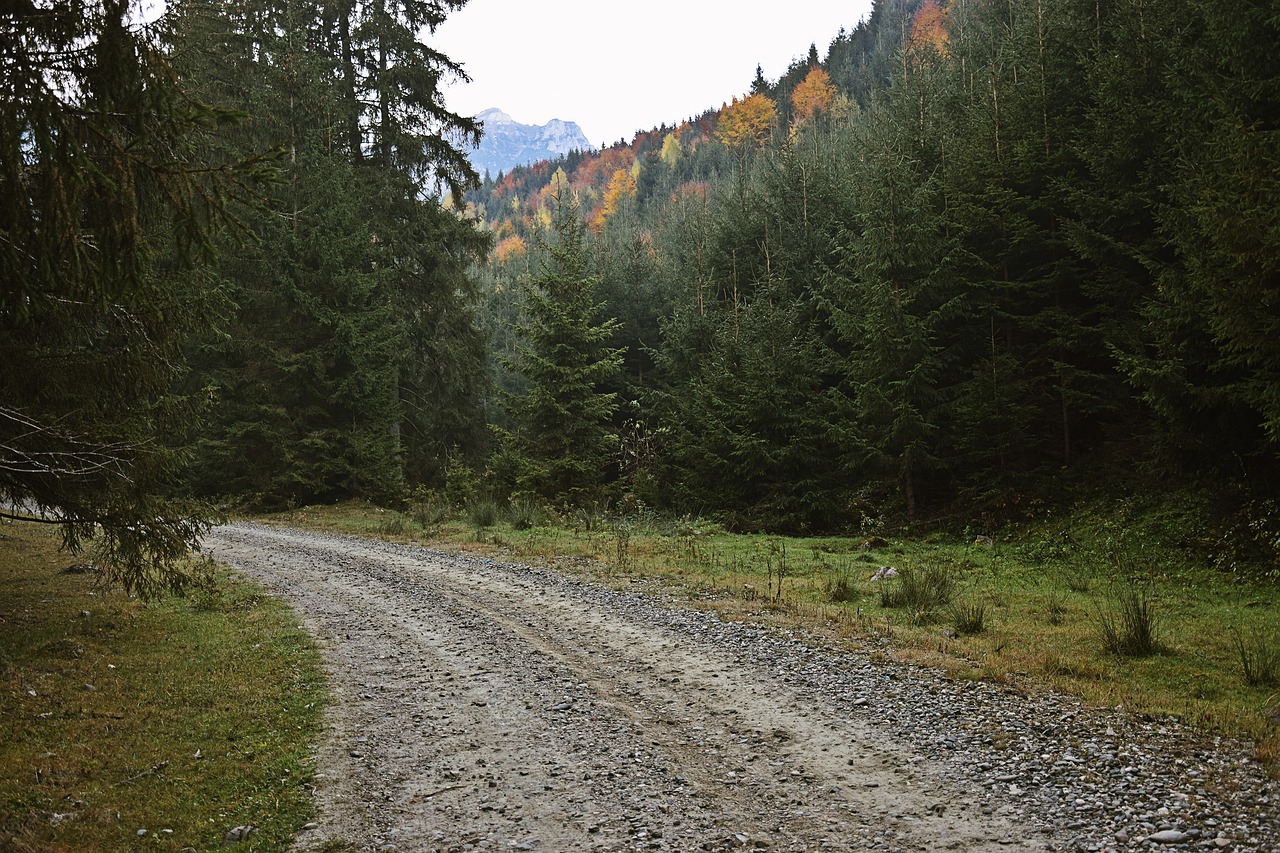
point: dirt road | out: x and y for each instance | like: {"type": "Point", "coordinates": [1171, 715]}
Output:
{"type": "Point", "coordinates": [488, 706]}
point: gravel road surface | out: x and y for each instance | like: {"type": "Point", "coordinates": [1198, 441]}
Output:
{"type": "Point", "coordinates": [480, 705]}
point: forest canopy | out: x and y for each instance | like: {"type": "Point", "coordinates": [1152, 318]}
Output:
{"type": "Point", "coordinates": [976, 250]}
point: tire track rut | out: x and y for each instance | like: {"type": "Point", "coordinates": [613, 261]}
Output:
{"type": "Point", "coordinates": [482, 706]}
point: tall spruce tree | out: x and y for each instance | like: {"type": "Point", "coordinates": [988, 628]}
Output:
{"type": "Point", "coordinates": [890, 299]}
{"type": "Point", "coordinates": [353, 364]}
{"type": "Point", "coordinates": [563, 421]}
{"type": "Point", "coordinates": [98, 163]}
{"type": "Point", "coordinates": [1216, 312]}
{"type": "Point", "coordinates": [747, 362]}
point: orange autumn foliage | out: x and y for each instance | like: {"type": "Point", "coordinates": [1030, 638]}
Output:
{"type": "Point", "coordinates": [813, 95]}
{"type": "Point", "coordinates": [597, 171]}
{"type": "Point", "coordinates": [509, 247]}
{"type": "Point", "coordinates": [929, 28]}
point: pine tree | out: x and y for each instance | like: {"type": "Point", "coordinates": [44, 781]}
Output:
{"type": "Point", "coordinates": [759, 85]}
{"type": "Point", "coordinates": [99, 164]}
{"type": "Point", "coordinates": [889, 299]}
{"type": "Point", "coordinates": [1221, 304]}
{"type": "Point", "coordinates": [353, 365]}
{"type": "Point", "coordinates": [563, 420]}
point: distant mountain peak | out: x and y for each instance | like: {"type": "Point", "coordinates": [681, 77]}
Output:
{"type": "Point", "coordinates": [508, 143]}
{"type": "Point", "coordinates": [493, 115]}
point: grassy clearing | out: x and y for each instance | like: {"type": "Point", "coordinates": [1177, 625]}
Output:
{"type": "Point", "coordinates": [182, 717]}
{"type": "Point", "coordinates": [1031, 609]}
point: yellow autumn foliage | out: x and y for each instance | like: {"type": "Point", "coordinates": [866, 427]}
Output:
{"type": "Point", "coordinates": [622, 186]}
{"type": "Point", "coordinates": [747, 122]}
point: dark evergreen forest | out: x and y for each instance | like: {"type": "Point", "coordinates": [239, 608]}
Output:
{"type": "Point", "coordinates": [977, 256]}
{"type": "Point", "coordinates": [981, 255]}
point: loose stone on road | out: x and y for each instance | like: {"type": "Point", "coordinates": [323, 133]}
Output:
{"type": "Point", "coordinates": [480, 705]}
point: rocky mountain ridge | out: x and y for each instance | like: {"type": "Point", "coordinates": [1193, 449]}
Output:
{"type": "Point", "coordinates": [508, 143]}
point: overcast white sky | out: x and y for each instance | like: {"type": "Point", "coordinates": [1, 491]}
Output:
{"type": "Point", "coordinates": [617, 68]}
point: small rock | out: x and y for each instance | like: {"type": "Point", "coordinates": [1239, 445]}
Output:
{"type": "Point", "coordinates": [141, 832]}
{"type": "Point", "coordinates": [238, 834]}
{"type": "Point", "coordinates": [1167, 836]}
{"type": "Point", "coordinates": [84, 614]}
{"type": "Point", "coordinates": [884, 573]}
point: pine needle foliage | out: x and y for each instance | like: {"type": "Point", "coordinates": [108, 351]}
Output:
{"type": "Point", "coordinates": [563, 431]}
{"type": "Point", "coordinates": [106, 197]}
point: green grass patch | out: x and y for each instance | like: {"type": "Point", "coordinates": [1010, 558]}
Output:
{"type": "Point", "coordinates": [182, 717]}
{"type": "Point", "coordinates": [1026, 605]}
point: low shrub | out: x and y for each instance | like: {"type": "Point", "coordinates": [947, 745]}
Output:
{"type": "Point", "coordinates": [430, 511]}
{"type": "Point", "coordinates": [482, 512]}
{"type": "Point", "coordinates": [919, 591]}
{"type": "Point", "coordinates": [969, 616]}
{"type": "Point", "coordinates": [525, 513]}
{"type": "Point", "coordinates": [841, 587]}
{"type": "Point", "coordinates": [394, 525]}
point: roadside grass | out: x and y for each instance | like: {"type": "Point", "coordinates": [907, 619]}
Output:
{"type": "Point", "coordinates": [182, 717]}
{"type": "Point", "coordinates": [1030, 610]}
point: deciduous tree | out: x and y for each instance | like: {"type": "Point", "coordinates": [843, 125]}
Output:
{"type": "Point", "coordinates": [814, 95]}
{"type": "Point", "coordinates": [747, 123]}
